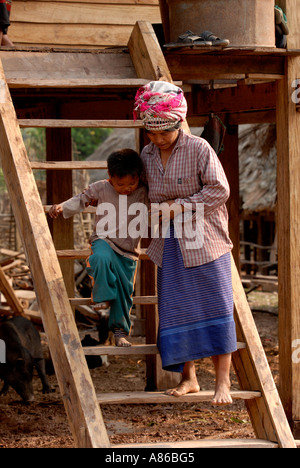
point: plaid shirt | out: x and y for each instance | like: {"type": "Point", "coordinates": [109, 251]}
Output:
{"type": "Point", "coordinates": [193, 175]}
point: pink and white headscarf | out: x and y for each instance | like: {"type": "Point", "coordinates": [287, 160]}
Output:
{"type": "Point", "coordinates": [161, 105]}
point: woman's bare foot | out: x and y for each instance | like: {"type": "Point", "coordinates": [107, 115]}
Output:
{"type": "Point", "coordinates": [222, 395]}
{"type": "Point", "coordinates": [185, 387]}
{"type": "Point", "coordinates": [189, 382]}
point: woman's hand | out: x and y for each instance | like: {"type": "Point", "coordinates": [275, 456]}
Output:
{"type": "Point", "coordinates": [55, 211]}
{"type": "Point", "coordinates": [165, 211]}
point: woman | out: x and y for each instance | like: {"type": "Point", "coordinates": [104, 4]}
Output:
{"type": "Point", "coordinates": [194, 283]}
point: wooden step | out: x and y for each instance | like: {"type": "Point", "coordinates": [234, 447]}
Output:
{"type": "Point", "coordinates": [200, 444]}
{"type": "Point", "coordinates": [62, 123]}
{"type": "Point", "coordinates": [89, 209]}
{"type": "Point", "coordinates": [132, 350]}
{"type": "Point", "coordinates": [65, 165]}
{"type": "Point", "coordinates": [80, 254]}
{"type": "Point", "coordinates": [143, 300]}
{"type": "Point", "coordinates": [76, 83]}
{"type": "Point", "coordinates": [141, 398]}
{"type": "Point", "coordinates": [135, 350]}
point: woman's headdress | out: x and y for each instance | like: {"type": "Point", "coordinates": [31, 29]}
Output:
{"type": "Point", "coordinates": [161, 105]}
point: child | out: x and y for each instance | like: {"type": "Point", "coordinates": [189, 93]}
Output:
{"type": "Point", "coordinates": [112, 265]}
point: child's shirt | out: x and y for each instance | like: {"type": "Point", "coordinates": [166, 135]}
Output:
{"type": "Point", "coordinates": [120, 220]}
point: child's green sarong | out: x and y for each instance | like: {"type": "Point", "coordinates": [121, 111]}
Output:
{"type": "Point", "coordinates": [113, 279]}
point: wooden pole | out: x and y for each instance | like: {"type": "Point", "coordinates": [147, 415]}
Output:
{"type": "Point", "coordinates": [59, 189]}
{"type": "Point", "coordinates": [230, 162]}
{"type": "Point", "coordinates": [288, 185]}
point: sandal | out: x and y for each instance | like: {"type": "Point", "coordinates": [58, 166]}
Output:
{"type": "Point", "coordinates": [189, 38]}
{"type": "Point", "coordinates": [216, 41]}
{"type": "Point", "coordinates": [281, 20]}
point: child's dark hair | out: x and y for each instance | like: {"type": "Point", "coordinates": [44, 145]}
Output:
{"type": "Point", "coordinates": [125, 162]}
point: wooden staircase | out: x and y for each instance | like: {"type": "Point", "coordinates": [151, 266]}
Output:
{"type": "Point", "coordinates": [83, 405]}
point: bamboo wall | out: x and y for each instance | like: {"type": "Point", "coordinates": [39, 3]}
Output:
{"type": "Point", "coordinates": [78, 24]}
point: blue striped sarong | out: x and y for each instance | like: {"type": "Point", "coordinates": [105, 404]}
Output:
{"type": "Point", "coordinates": [195, 308]}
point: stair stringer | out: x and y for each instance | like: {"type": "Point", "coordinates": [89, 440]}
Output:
{"type": "Point", "coordinates": [71, 370]}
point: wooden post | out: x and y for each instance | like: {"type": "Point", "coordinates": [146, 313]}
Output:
{"type": "Point", "coordinates": [230, 162]}
{"type": "Point", "coordinates": [164, 13]}
{"type": "Point", "coordinates": [288, 186]}
{"type": "Point", "coordinates": [71, 370]}
{"type": "Point", "coordinates": [59, 189]}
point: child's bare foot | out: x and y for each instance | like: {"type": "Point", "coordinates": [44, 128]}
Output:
{"type": "Point", "coordinates": [185, 386]}
{"type": "Point", "coordinates": [222, 395]}
{"type": "Point", "coordinates": [120, 338]}
{"type": "Point", "coordinates": [122, 342]}
{"type": "Point", "coordinates": [101, 306]}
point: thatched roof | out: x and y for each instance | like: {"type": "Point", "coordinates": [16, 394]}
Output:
{"type": "Point", "coordinates": [257, 167]}
{"type": "Point", "coordinates": [257, 161]}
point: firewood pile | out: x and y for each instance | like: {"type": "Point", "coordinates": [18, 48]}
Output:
{"type": "Point", "coordinates": [17, 294]}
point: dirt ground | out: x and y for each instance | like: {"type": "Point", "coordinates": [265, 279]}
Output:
{"type": "Point", "coordinates": [43, 423]}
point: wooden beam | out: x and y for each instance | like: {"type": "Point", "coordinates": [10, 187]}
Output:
{"type": "Point", "coordinates": [58, 13]}
{"type": "Point", "coordinates": [70, 35]}
{"type": "Point", "coordinates": [61, 123]}
{"type": "Point", "coordinates": [231, 100]}
{"type": "Point", "coordinates": [140, 398]}
{"type": "Point", "coordinates": [68, 165]}
{"type": "Point", "coordinates": [72, 373]}
{"type": "Point", "coordinates": [74, 83]}
{"type": "Point", "coordinates": [237, 118]}
{"type": "Point", "coordinates": [223, 66]}
{"type": "Point", "coordinates": [203, 444]}
{"type": "Point", "coordinates": [146, 54]}
{"type": "Point", "coordinates": [288, 219]}
{"type": "Point", "coordinates": [253, 372]}
{"type": "Point", "coordinates": [69, 64]}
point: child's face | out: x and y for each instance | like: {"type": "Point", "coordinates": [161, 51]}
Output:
{"type": "Point", "coordinates": [124, 185]}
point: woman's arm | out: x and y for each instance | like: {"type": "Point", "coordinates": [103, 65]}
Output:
{"type": "Point", "coordinates": [215, 191]}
